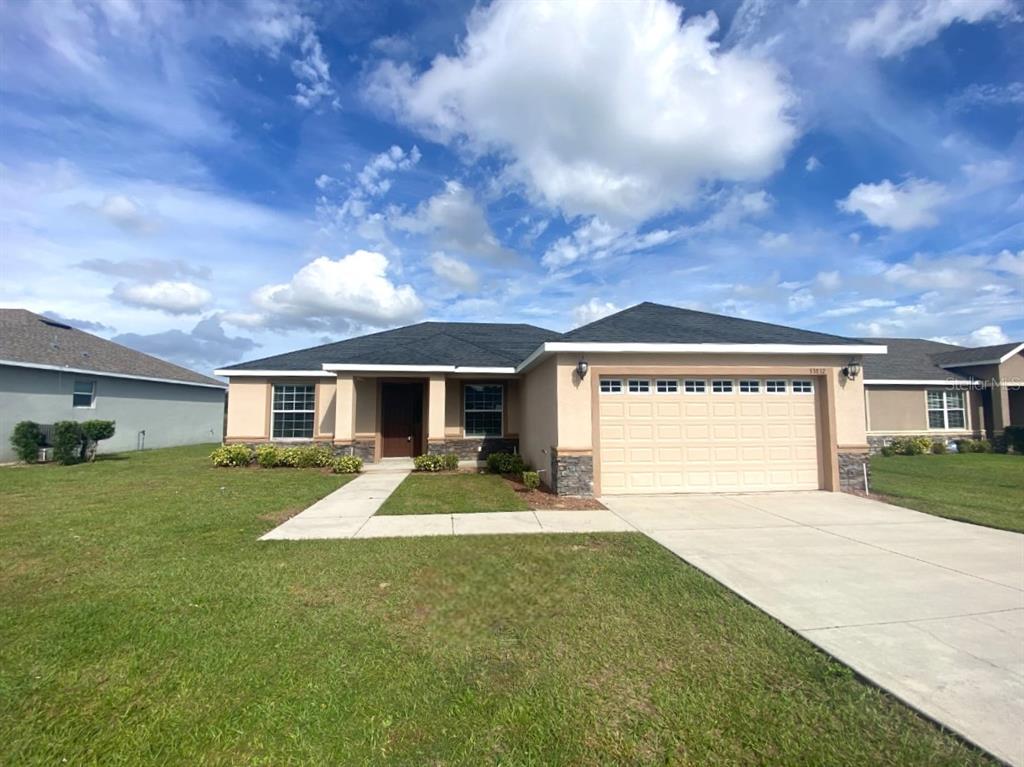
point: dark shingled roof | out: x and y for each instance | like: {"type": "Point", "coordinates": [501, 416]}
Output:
{"type": "Point", "coordinates": [32, 339]}
{"type": "Point", "coordinates": [657, 323]}
{"type": "Point", "coordinates": [909, 359]}
{"type": "Point", "coordinates": [465, 344]}
{"type": "Point", "coordinates": [976, 355]}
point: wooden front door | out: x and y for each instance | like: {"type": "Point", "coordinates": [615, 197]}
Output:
{"type": "Point", "coordinates": [401, 420]}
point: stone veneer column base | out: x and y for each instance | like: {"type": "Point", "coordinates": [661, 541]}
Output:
{"type": "Point", "coordinates": [364, 448]}
{"type": "Point", "coordinates": [851, 472]}
{"type": "Point", "coordinates": [572, 474]}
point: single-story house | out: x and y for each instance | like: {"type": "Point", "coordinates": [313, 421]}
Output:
{"type": "Point", "coordinates": [653, 399]}
{"type": "Point", "coordinates": [52, 372]}
{"type": "Point", "coordinates": [943, 391]}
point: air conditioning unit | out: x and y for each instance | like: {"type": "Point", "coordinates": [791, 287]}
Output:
{"type": "Point", "coordinates": [45, 454]}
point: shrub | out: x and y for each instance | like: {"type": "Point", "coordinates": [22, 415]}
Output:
{"type": "Point", "coordinates": [67, 442]}
{"type": "Point", "coordinates": [347, 464]}
{"type": "Point", "coordinates": [92, 433]}
{"type": "Point", "coordinates": [231, 455]}
{"type": "Point", "coordinates": [268, 456]}
{"type": "Point", "coordinates": [531, 479]}
{"type": "Point", "coordinates": [938, 448]}
{"type": "Point", "coordinates": [981, 446]}
{"type": "Point", "coordinates": [912, 445]}
{"type": "Point", "coordinates": [428, 463]}
{"type": "Point", "coordinates": [26, 441]}
{"type": "Point", "coordinates": [888, 451]}
{"type": "Point", "coordinates": [306, 456]}
{"type": "Point", "coordinates": [1014, 436]}
{"type": "Point", "coordinates": [963, 445]}
{"type": "Point", "coordinates": [505, 463]}
{"type": "Point", "coordinates": [450, 461]}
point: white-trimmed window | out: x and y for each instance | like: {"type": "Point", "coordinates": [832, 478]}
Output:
{"type": "Point", "coordinates": [946, 409]}
{"type": "Point", "coordinates": [484, 406]}
{"type": "Point", "coordinates": [293, 411]}
{"type": "Point", "coordinates": [775, 387]}
{"type": "Point", "coordinates": [694, 387]}
{"type": "Point", "coordinates": [84, 394]}
{"type": "Point", "coordinates": [721, 386]}
{"type": "Point", "coordinates": [751, 386]}
{"type": "Point", "coordinates": [639, 386]}
{"type": "Point", "coordinates": [666, 386]}
{"type": "Point", "coordinates": [803, 387]}
{"type": "Point", "coordinates": [611, 386]}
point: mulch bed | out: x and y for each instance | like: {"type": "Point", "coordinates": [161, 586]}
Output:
{"type": "Point", "coordinates": [542, 499]}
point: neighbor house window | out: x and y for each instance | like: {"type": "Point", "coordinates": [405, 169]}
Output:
{"type": "Point", "coordinates": [721, 387]}
{"type": "Point", "coordinates": [666, 386]}
{"type": "Point", "coordinates": [483, 410]}
{"type": "Point", "coordinates": [803, 387]}
{"type": "Point", "coordinates": [293, 411]}
{"type": "Point", "coordinates": [611, 386]}
{"type": "Point", "coordinates": [750, 387]}
{"type": "Point", "coordinates": [946, 410]}
{"type": "Point", "coordinates": [639, 386]}
{"type": "Point", "coordinates": [775, 387]}
{"type": "Point", "coordinates": [84, 394]}
{"type": "Point", "coordinates": [694, 387]}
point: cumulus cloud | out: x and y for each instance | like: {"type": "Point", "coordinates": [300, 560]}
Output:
{"type": "Point", "coordinates": [164, 295]}
{"type": "Point", "coordinates": [987, 335]}
{"type": "Point", "coordinates": [911, 204]}
{"type": "Point", "coordinates": [896, 26]}
{"type": "Point", "coordinates": [353, 288]}
{"type": "Point", "coordinates": [145, 268]}
{"type": "Point", "coordinates": [625, 126]}
{"type": "Point", "coordinates": [456, 222]}
{"type": "Point", "coordinates": [454, 272]}
{"type": "Point", "coordinates": [124, 213]}
{"type": "Point", "coordinates": [374, 180]}
{"type": "Point", "coordinates": [812, 164]}
{"type": "Point", "coordinates": [203, 348]}
{"type": "Point", "coordinates": [592, 310]}
{"type": "Point", "coordinates": [89, 325]}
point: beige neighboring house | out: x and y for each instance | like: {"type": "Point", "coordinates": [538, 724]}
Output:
{"type": "Point", "coordinates": [653, 399]}
{"type": "Point", "coordinates": [943, 391]}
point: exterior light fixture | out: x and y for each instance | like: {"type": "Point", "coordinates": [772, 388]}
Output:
{"type": "Point", "coordinates": [852, 369]}
{"type": "Point", "coordinates": [581, 369]}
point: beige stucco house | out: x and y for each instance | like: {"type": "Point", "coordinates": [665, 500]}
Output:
{"type": "Point", "coordinates": [653, 399]}
{"type": "Point", "coordinates": [943, 391]}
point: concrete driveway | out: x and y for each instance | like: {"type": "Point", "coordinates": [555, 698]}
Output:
{"type": "Point", "coordinates": [930, 609]}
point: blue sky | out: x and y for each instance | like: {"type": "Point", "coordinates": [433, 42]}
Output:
{"type": "Point", "coordinates": [212, 182]}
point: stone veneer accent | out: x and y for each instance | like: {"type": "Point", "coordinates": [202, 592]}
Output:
{"type": "Point", "coordinates": [572, 474]}
{"type": "Point", "coordinates": [851, 472]}
{"type": "Point", "coordinates": [364, 448]}
{"type": "Point", "coordinates": [474, 449]}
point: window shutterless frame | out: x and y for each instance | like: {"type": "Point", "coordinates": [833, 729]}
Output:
{"type": "Point", "coordinates": [639, 386]}
{"type": "Point", "coordinates": [947, 409]}
{"type": "Point", "coordinates": [801, 386]}
{"type": "Point", "coordinates": [775, 386]}
{"type": "Point", "coordinates": [694, 386]}
{"type": "Point", "coordinates": [293, 411]}
{"type": "Point", "coordinates": [611, 386]}
{"type": "Point", "coordinates": [750, 386]}
{"type": "Point", "coordinates": [84, 394]}
{"type": "Point", "coordinates": [666, 386]}
{"type": "Point", "coordinates": [483, 410]}
{"type": "Point", "coordinates": [721, 386]}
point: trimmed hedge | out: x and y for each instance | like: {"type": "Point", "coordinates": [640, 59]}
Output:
{"type": "Point", "coordinates": [505, 463]}
{"type": "Point", "coordinates": [347, 464]}
{"type": "Point", "coordinates": [232, 455]}
{"type": "Point", "coordinates": [433, 463]}
{"type": "Point", "coordinates": [973, 446]}
{"type": "Point", "coordinates": [26, 441]}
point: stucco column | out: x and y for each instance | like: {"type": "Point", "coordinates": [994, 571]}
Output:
{"type": "Point", "coordinates": [436, 397]}
{"type": "Point", "coordinates": [1000, 408]}
{"type": "Point", "coordinates": [344, 410]}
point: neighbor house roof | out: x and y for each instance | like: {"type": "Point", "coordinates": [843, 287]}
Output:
{"type": "Point", "coordinates": [910, 359]}
{"type": "Point", "coordinates": [980, 355]}
{"type": "Point", "coordinates": [657, 323]}
{"type": "Point", "coordinates": [457, 344]}
{"type": "Point", "coordinates": [31, 340]}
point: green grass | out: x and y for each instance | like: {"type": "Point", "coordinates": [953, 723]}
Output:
{"type": "Point", "coordinates": [142, 623]}
{"type": "Point", "coordinates": [452, 494]}
{"type": "Point", "coordinates": [983, 488]}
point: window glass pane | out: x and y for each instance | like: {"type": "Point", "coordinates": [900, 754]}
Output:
{"type": "Point", "coordinates": [721, 387]}
{"type": "Point", "coordinates": [750, 387]}
{"type": "Point", "coordinates": [955, 419]}
{"type": "Point", "coordinates": [667, 386]}
{"type": "Point", "coordinates": [694, 387]}
{"type": "Point", "coordinates": [483, 423]}
{"type": "Point", "coordinates": [483, 397]}
{"type": "Point", "coordinates": [935, 420]}
{"type": "Point", "coordinates": [803, 387]}
{"type": "Point", "coordinates": [775, 387]}
{"type": "Point", "coordinates": [611, 385]}
{"type": "Point", "coordinates": [935, 400]}
{"type": "Point", "coordinates": [293, 425]}
{"type": "Point", "coordinates": [294, 397]}
{"type": "Point", "coordinates": [955, 399]}
{"type": "Point", "coordinates": [639, 386]}
{"type": "Point", "coordinates": [82, 394]}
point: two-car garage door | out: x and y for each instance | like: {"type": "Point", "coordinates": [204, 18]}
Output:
{"type": "Point", "coordinates": [676, 435]}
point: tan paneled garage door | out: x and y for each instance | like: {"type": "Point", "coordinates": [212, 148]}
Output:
{"type": "Point", "coordinates": [677, 435]}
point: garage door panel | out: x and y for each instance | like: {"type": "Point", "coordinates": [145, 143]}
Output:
{"type": "Point", "coordinates": [708, 442]}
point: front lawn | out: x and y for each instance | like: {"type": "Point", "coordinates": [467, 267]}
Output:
{"type": "Point", "coordinates": [983, 488]}
{"type": "Point", "coordinates": [141, 622]}
{"type": "Point", "coordinates": [452, 494]}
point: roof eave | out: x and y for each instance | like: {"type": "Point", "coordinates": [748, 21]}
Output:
{"type": "Point", "coordinates": [110, 374]}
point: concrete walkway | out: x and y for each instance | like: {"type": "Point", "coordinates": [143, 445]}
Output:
{"type": "Point", "coordinates": [930, 609]}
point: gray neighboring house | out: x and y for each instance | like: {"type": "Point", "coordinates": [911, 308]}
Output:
{"type": "Point", "coordinates": [52, 372]}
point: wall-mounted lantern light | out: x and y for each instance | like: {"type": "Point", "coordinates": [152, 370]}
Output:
{"type": "Point", "coordinates": [581, 369]}
{"type": "Point", "coordinates": [852, 369]}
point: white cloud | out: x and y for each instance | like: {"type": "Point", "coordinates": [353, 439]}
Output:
{"type": "Point", "coordinates": [456, 222]}
{"type": "Point", "coordinates": [857, 307]}
{"type": "Point", "coordinates": [829, 280]}
{"type": "Point", "coordinates": [625, 126]}
{"type": "Point", "coordinates": [1010, 262]}
{"type": "Point", "coordinates": [774, 240]}
{"type": "Point", "coordinates": [164, 295]}
{"type": "Point", "coordinates": [908, 205]}
{"type": "Point", "coordinates": [373, 177]}
{"type": "Point", "coordinates": [800, 300]}
{"type": "Point", "coordinates": [592, 310]}
{"type": "Point", "coordinates": [597, 239]}
{"type": "Point", "coordinates": [125, 213]}
{"type": "Point", "coordinates": [812, 164]}
{"type": "Point", "coordinates": [455, 272]}
{"type": "Point", "coordinates": [989, 95]}
{"type": "Point", "coordinates": [899, 25]}
{"type": "Point", "coordinates": [313, 73]}
{"type": "Point", "coordinates": [987, 335]}
{"type": "Point", "coordinates": [353, 288]}
{"type": "Point", "coordinates": [323, 181]}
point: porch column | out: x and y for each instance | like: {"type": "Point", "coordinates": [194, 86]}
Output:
{"type": "Point", "coordinates": [344, 410]}
{"type": "Point", "coordinates": [1000, 408]}
{"type": "Point", "coordinates": [436, 397]}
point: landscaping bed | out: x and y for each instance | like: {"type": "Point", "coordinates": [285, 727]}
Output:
{"type": "Point", "coordinates": [540, 499]}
